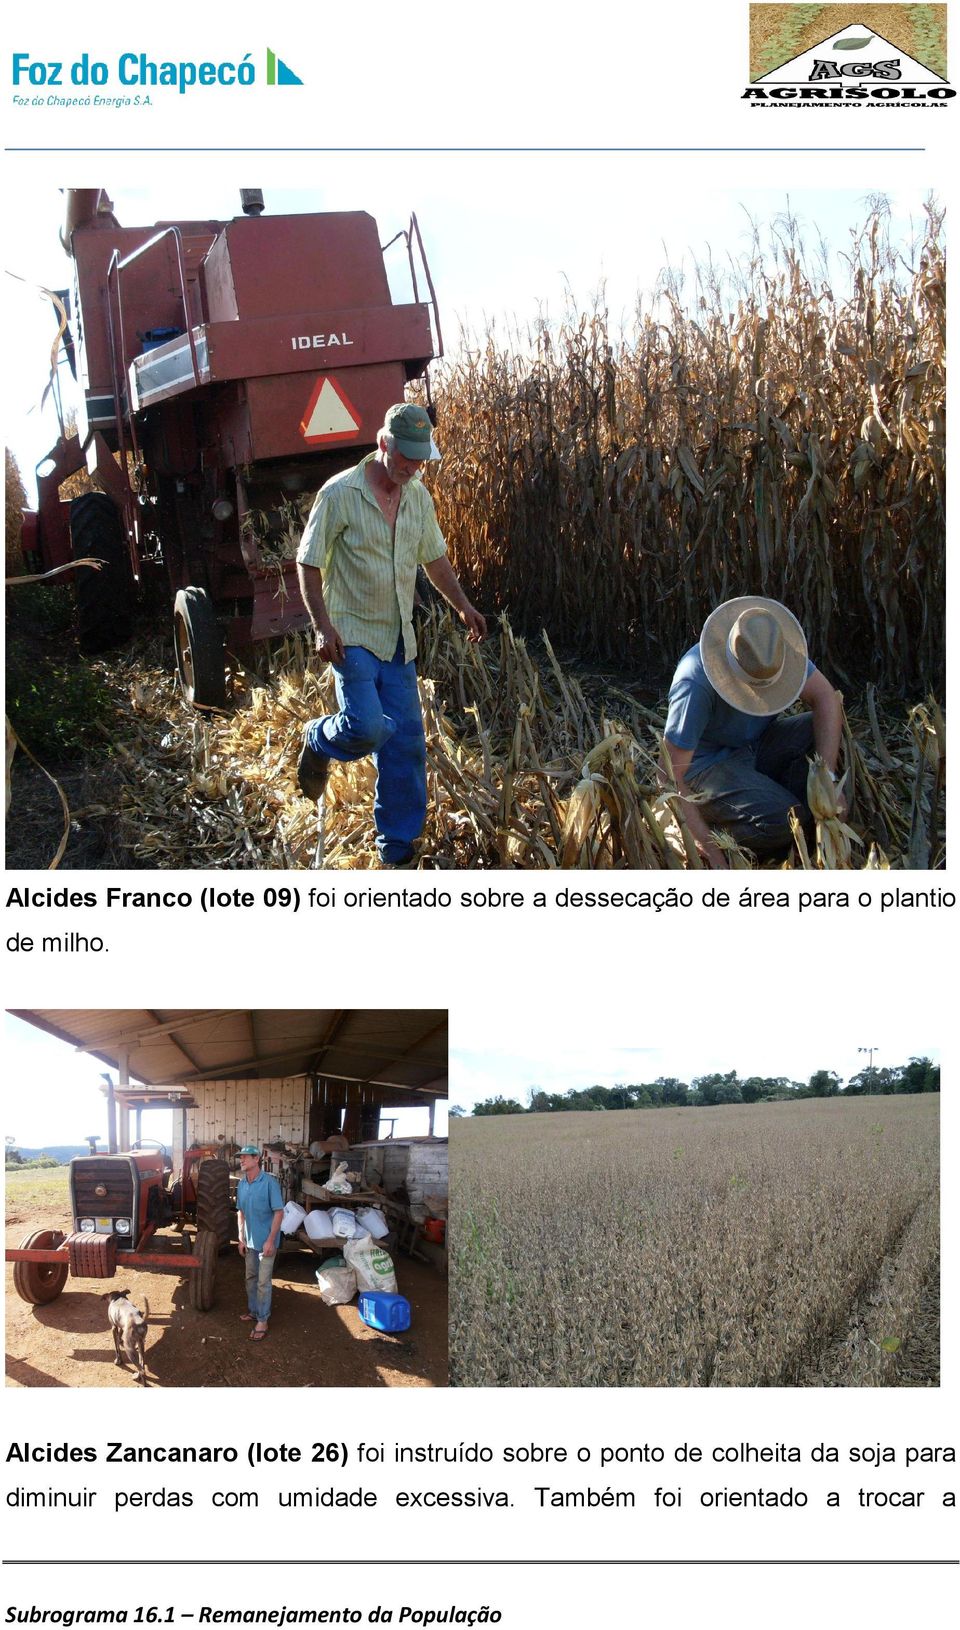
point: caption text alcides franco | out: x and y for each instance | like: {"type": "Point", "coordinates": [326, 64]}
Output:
{"type": "Point", "coordinates": [487, 899]}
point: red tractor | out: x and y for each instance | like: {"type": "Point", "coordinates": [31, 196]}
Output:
{"type": "Point", "coordinates": [118, 1203]}
{"type": "Point", "coordinates": [228, 369]}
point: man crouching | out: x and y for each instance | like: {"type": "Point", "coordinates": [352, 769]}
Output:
{"type": "Point", "coordinates": [725, 738]}
{"type": "Point", "coordinates": [368, 531]}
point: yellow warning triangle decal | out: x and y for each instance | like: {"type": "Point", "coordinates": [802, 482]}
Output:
{"type": "Point", "coordinates": [329, 415]}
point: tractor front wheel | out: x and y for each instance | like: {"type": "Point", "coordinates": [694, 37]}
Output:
{"type": "Point", "coordinates": [40, 1282]}
{"type": "Point", "coordinates": [199, 643]}
{"type": "Point", "coordinates": [214, 1211]}
{"type": "Point", "coordinates": [203, 1279]}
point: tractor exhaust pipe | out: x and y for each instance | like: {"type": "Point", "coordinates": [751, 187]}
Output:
{"type": "Point", "coordinates": [85, 205]}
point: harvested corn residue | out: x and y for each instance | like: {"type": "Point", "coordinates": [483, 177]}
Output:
{"type": "Point", "coordinates": [529, 765]}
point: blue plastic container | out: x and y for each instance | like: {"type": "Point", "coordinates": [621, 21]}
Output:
{"type": "Point", "coordinates": [384, 1311]}
{"type": "Point", "coordinates": [155, 337]}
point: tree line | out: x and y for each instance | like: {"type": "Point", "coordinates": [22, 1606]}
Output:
{"type": "Point", "coordinates": [919, 1075]}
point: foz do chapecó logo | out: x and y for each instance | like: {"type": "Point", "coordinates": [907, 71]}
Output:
{"type": "Point", "coordinates": [278, 73]}
{"type": "Point", "coordinates": [39, 81]}
{"type": "Point", "coordinates": [812, 56]}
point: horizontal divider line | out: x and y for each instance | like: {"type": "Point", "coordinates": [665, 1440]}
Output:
{"type": "Point", "coordinates": [389, 150]}
{"type": "Point", "coordinates": [488, 1562]}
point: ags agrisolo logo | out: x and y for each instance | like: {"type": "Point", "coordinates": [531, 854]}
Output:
{"type": "Point", "coordinates": [822, 56]}
{"type": "Point", "coordinates": [132, 78]}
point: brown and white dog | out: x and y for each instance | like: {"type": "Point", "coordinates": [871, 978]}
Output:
{"type": "Point", "coordinates": [129, 1328]}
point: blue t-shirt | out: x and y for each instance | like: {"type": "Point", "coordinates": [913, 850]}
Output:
{"type": "Point", "coordinates": [258, 1201]}
{"type": "Point", "coordinates": [698, 720]}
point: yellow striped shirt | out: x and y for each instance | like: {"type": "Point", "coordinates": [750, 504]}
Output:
{"type": "Point", "coordinates": [369, 577]}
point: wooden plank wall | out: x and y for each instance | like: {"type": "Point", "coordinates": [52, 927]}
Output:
{"type": "Point", "coordinates": [350, 1107]}
{"type": "Point", "coordinates": [416, 1169]}
{"type": "Point", "coordinates": [250, 1111]}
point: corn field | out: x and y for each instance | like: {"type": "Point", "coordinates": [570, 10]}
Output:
{"type": "Point", "coordinates": [749, 1245]}
{"type": "Point", "coordinates": [769, 436]}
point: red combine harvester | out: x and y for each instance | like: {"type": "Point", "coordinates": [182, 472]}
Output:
{"type": "Point", "coordinates": [228, 369]}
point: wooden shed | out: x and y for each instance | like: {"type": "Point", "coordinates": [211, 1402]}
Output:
{"type": "Point", "coordinates": [258, 1075]}
{"type": "Point", "coordinates": [413, 1172]}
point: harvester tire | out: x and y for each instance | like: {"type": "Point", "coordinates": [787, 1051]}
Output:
{"type": "Point", "coordinates": [104, 596]}
{"type": "Point", "coordinates": [39, 1282]}
{"type": "Point", "coordinates": [203, 1279]}
{"type": "Point", "coordinates": [199, 647]}
{"type": "Point", "coordinates": [214, 1211]}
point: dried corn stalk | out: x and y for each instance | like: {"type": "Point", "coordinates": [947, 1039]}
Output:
{"type": "Point", "coordinates": [834, 837]}
{"type": "Point", "coordinates": [786, 437]}
{"type": "Point", "coordinates": [525, 768]}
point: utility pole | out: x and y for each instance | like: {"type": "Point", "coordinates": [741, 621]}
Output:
{"type": "Point", "coordinates": [869, 1052]}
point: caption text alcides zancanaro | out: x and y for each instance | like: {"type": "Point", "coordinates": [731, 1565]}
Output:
{"type": "Point", "coordinates": [133, 69]}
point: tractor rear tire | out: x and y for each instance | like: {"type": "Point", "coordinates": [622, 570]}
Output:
{"type": "Point", "coordinates": [39, 1282]}
{"type": "Point", "coordinates": [214, 1212]}
{"type": "Point", "coordinates": [104, 596]}
{"type": "Point", "coordinates": [199, 647]}
{"type": "Point", "coordinates": [203, 1279]}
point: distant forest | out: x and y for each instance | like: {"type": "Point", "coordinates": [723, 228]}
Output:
{"type": "Point", "coordinates": [920, 1075]}
{"type": "Point", "coordinates": [55, 1154]}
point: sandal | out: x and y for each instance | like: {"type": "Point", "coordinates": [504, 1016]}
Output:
{"type": "Point", "coordinates": [248, 1318]}
{"type": "Point", "coordinates": [258, 1335]}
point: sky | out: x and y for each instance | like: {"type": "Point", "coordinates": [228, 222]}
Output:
{"type": "Point", "coordinates": [70, 1106]}
{"type": "Point", "coordinates": [510, 238]}
{"type": "Point", "coordinates": [510, 1072]}
{"type": "Point", "coordinates": [53, 1094]}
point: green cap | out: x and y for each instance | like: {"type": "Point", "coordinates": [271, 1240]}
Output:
{"type": "Point", "coordinates": [250, 1149]}
{"type": "Point", "coordinates": [411, 430]}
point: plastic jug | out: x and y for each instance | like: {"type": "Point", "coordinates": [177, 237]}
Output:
{"type": "Point", "coordinates": [383, 1310]}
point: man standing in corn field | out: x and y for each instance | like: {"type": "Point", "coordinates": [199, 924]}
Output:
{"type": "Point", "coordinates": [368, 531]}
{"type": "Point", "coordinates": [737, 764]}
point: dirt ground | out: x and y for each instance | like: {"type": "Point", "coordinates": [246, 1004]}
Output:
{"type": "Point", "coordinates": [67, 1343]}
{"type": "Point", "coordinates": [35, 824]}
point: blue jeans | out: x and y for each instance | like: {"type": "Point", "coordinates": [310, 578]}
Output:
{"type": "Point", "coordinates": [380, 714]}
{"type": "Point", "coordinates": [750, 792]}
{"type": "Point", "coordinates": [258, 1270]}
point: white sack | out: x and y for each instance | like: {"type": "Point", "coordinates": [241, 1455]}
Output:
{"type": "Point", "coordinates": [338, 1182]}
{"type": "Point", "coordinates": [371, 1264]}
{"type": "Point", "coordinates": [337, 1285]}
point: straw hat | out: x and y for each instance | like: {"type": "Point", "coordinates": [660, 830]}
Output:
{"type": "Point", "coordinates": [754, 654]}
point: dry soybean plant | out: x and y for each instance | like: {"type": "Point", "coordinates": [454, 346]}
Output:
{"type": "Point", "coordinates": [758, 1245]}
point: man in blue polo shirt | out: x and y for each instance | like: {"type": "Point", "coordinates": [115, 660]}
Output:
{"type": "Point", "coordinates": [727, 745]}
{"type": "Point", "coordinates": [259, 1215]}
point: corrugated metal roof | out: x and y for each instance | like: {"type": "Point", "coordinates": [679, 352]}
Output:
{"type": "Point", "coordinates": [403, 1049]}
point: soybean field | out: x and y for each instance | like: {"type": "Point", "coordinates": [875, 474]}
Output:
{"type": "Point", "coordinates": [762, 1245]}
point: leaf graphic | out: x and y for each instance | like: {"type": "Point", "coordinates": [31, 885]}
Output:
{"type": "Point", "coordinates": [853, 42]}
